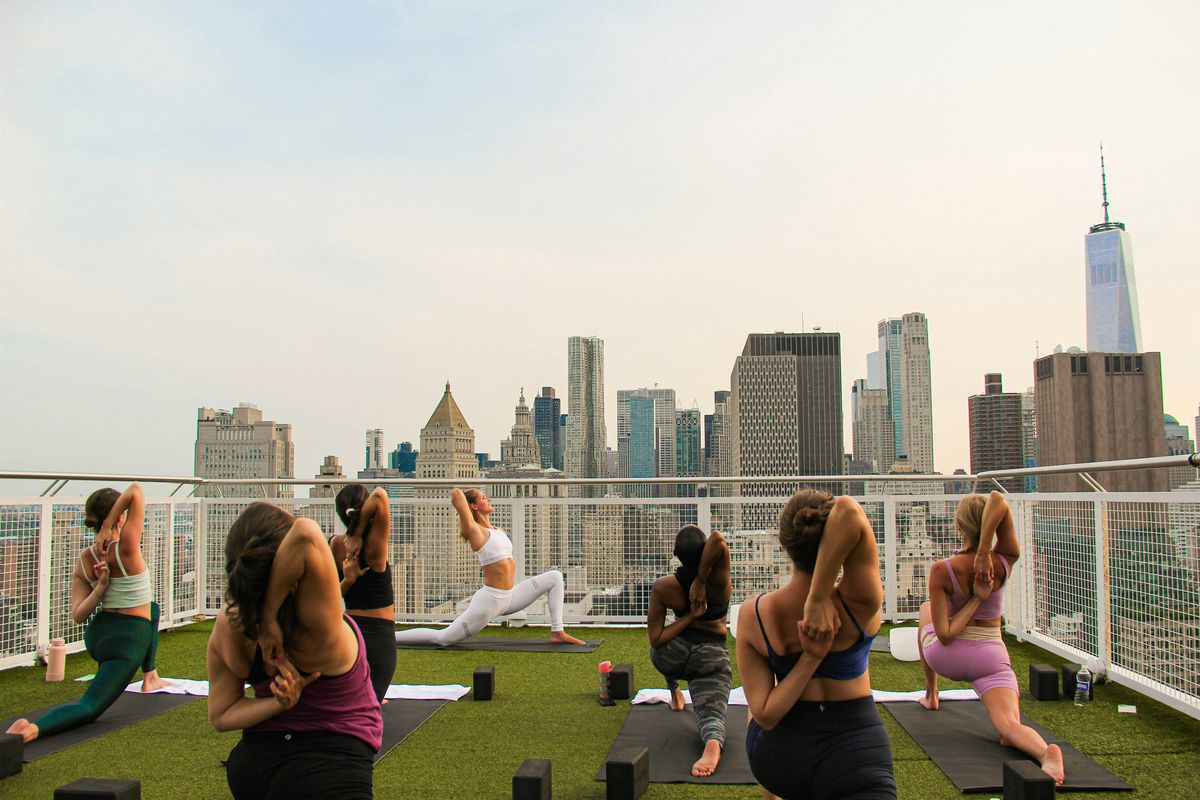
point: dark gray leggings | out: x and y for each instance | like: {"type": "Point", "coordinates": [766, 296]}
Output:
{"type": "Point", "coordinates": [705, 666]}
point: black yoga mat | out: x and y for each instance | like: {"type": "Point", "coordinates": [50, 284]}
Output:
{"type": "Point", "coordinates": [962, 742]}
{"type": "Point", "coordinates": [880, 645]}
{"type": "Point", "coordinates": [128, 708]}
{"type": "Point", "coordinates": [512, 645]}
{"type": "Point", "coordinates": [674, 744]}
{"type": "Point", "coordinates": [402, 717]}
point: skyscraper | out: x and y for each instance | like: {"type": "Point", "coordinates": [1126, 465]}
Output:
{"type": "Point", "coordinates": [786, 409]}
{"type": "Point", "coordinates": [241, 444]}
{"type": "Point", "coordinates": [995, 424]}
{"type": "Point", "coordinates": [1100, 407]}
{"type": "Point", "coordinates": [403, 458]}
{"type": "Point", "coordinates": [871, 418]}
{"type": "Point", "coordinates": [635, 438]}
{"type": "Point", "coordinates": [664, 426]}
{"type": "Point", "coordinates": [522, 448]}
{"type": "Point", "coordinates": [587, 438]}
{"type": "Point", "coordinates": [547, 409]}
{"type": "Point", "coordinates": [1113, 322]}
{"type": "Point", "coordinates": [1029, 453]}
{"type": "Point", "coordinates": [886, 368]}
{"type": "Point", "coordinates": [720, 443]}
{"type": "Point", "coordinates": [374, 449]}
{"type": "Point", "coordinates": [331, 467]}
{"type": "Point", "coordinates": [901, 367]}
{"type": "Point", "coordinates": [1178, 443]}
{"type": "Point", "coordinates": [688, 462]}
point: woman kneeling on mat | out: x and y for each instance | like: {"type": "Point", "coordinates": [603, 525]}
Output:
{"type": "Point", "coordinates": [111, 576]}
{"type": "Point", "coordinates": [692, 648]}
{"type": "Point", "coordinates": [366, 575]}
{"type": "Point", "coordinates": [960, 624]}
{"type": "Point", "coordinates": [497, 596]}
{"type": "Point", "coordinates": [313, 725]}
{"type": "Point", "coordinates": [815, 732]}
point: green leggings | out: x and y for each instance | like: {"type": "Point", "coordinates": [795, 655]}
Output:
{"type": "Point", "coordinates": [121, 644]}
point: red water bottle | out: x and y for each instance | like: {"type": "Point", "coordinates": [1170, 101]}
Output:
{"type": "Point", "coordinates": [605, 698]}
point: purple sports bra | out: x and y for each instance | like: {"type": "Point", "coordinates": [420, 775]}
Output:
{"type": "Point", "coordinates": [991, 608]}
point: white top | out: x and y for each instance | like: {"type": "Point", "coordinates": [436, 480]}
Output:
{"type": "Point", "coordinates": [497, 547]}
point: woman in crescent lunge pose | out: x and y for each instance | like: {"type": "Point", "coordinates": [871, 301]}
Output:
{"type": "Point", "coordinates": [366, 575]}
{"type": "Point", "coordinates": [313, 725]}
{"type": "Point", "coordinates": [960, 624]}
{"type": "Point", "coordinates": [497, 596]}
{"type": "Point", "coordinates": [111, 576]}
{"type": "Point", "coordinates": [803, 652]}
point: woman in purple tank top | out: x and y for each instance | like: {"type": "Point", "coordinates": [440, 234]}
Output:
{"type": "Point", "coordinates": [960, 634]}
{"type": "Point", "coordinates": [313, 725]}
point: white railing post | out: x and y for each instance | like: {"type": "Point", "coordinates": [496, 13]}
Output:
{"type": "Point", "coordinates": [166, 617]}
{"type": "Point", "coordinates": [1103, 637]}
{"type": "Point", "coordinates": [200, 543]}
{"type": "Point", "coordinates": [45, 559]}
{"type": "Point", "coordinates": [518, 537]}
{"type": "Point", "coordinates": [891, 547]}
{"type": "Point", "coordinates": [704, 511]}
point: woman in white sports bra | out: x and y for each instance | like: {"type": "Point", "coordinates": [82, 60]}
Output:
{"type": "Point", "coordinates": [110, 576]}
{"type": "Point", "coordinates": [497, 596]}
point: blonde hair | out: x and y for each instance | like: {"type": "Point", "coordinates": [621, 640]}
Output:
{"type": "Point", "coordinates": [473, 496]}
{"type": "Point", "coordinates": [969, 517]}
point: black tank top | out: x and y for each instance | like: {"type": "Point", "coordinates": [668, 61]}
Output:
{"type": "Point", "coordinates": [371, 590]}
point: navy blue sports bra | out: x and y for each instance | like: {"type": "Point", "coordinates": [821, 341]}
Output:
{"type": "Point", "coordinates": [843, 665]}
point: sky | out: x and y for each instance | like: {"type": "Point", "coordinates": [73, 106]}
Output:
{"type": "Point", "coordinates": [331, 210]}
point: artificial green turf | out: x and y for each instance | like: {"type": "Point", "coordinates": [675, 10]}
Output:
{"type": "Point", "coordinates": [545, 707]}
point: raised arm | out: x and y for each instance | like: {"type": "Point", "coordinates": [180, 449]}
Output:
{"type": "Point", "coordinates": [714, 564]}
{"type": "Point", "coordinates": [946, 627]}
{"type": "Point", "coordinates": [848, 542]}
{"type": "Point", "coordinates": [467, 526]}
{"type": "Point", "coordinates": [84, 597]}
{"type": "Point", "coordinates": [997, 534]}
{"type": "Point", "coordinates": [129, 533]}
{"type": "Point", "coordinates": [303, 563]}
{"type": "Point", "coordinates": [769, 701]}
{"type": "Point", "coordinates": [373, 524]}
{"type": "Point", "coordinates": [659, 632]}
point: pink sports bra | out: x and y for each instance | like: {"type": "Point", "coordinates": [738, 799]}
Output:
{"type": "Point", "coordinates": [991, 608]}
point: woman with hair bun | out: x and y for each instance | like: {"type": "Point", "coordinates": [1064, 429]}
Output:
{"type": "Point", "coordinates": [498, 595]}
{"type": "Point", "coordinates": [361, 555]}
{"type": "Point", "coordinates": [960, 624]}
{"type": "Point", "coordinates": [110, 576]}
{"type": "Point", "coordinates": [282, 629]}
{"type": "Point", "coordinates": [803, 651]}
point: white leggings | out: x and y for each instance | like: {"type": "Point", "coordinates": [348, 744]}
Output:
{"type": "Point", "coordinates": [489, 603]}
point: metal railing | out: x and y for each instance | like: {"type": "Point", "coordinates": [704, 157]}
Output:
{"type": "Point", "coordinates": [1106, 575]}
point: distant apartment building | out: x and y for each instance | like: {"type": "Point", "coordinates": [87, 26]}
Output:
{"type": "Point", "coordinates": [374, 456]}
{"type": "Point", "coordinates": [1029, 451]}
{"type": "Point", "coordinates": [587, 437]}
{"type": "Point", "coordinates": [995, 426]}
{"type": "Point", "coordinates": [1100, 407]}
{"type": "Point", "coordinates": [403, 459]}
{"type": "Point", "coordinates": [689, 460]}
{"type": "Point", "coordinates": [871, 421]}
{"type": "Point", "coordinates": [636, 439]}
{"type": "Point", "coordinates": [547, 425]}
{"type": "Point", "coordinates": [1178, 444]}
{"type": "Point", "coordinates": [786, 409]}
{"type": "Point", "coordinates": [901, 368]}
{"type": "Point", "coordinates": [240, 444]}
{"type": "Point", "coordinates": [331, 468]}
{"type": "Point", "coordinates": [718, 444]}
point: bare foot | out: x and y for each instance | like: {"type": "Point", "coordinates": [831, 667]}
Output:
{"type": "Point", "coordinates": [930, 701]}
{"type": "Point", "coordinates": [152, 683]}
{"type": "Point", "coordinates": [562, 637]}
{"type": "Point", "coordinates": [1052, 764]}
{"type": "Point", "coordinates": [26, 729]}
{"type": "Point", "coordinates": [677, 703]}
{"type": "Point", "coordinates": [707, 764]}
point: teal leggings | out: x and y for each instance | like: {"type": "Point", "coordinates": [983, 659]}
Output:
{"type": "Point", "coordinates": [121, 644]}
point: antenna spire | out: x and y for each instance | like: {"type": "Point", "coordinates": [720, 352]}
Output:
{"type": "Point", "coordinates": [1104, 183]}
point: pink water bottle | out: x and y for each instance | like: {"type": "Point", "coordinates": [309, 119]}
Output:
{"type": "Point", "coordinates": [605, 698]}
{"type": "Point", "coordinates": [56, 660]}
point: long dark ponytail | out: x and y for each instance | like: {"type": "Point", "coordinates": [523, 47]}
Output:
{"type": "Point", "coordinates": [250, 549]}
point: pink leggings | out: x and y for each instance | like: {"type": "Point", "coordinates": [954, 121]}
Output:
{"type": "Point", "coordinates": [984, 663]}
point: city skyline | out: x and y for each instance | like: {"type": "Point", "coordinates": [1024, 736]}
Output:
{"type": "Point", "coordinates": [216, 254]}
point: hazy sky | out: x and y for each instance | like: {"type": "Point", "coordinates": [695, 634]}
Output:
{"type": "Point", "coordinates": [332, 209]}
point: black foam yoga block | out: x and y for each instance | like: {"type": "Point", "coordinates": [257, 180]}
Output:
{"type": "Point", "coordinates": [531, 781]}
{"type": "Point", "coordinates": [100, 789]}
{"type": "Point", "coordinates": [12, 754]}
{"type": "Point", "coordinates": [484, 684]}
{"type": "Point", "coordinates": [1069, 671]}
{"type": "Point", "coordinates": [620, 682]}
{"type": "Point", "coordinates": [1043, 682]}
{"type": "Point", "coordinates": [627, 775]}
{"type": "Point", "coordinates": [1024, 780]}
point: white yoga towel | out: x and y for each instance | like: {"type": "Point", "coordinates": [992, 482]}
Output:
{"type": "Point", "coordinates": [737, 696]}
{"type": "Point", "coordinates": [446, 691]}
{"type": "Point", "coordinates": [882, 696]}
{"type": "Point", "coordinates": [178, 686]}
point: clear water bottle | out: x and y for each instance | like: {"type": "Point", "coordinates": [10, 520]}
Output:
{"type": "Point", "coordinates": [1083, 686]}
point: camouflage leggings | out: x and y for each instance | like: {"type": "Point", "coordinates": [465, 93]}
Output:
{"type": "Point", "coordinates": [705, 666]}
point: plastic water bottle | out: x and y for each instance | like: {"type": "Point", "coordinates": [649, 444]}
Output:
{"type": "Point", "coordinates": [605, 696]}
{"type": "Point", "coordinates": [1083, 686]}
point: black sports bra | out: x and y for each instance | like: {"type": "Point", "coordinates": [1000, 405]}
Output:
{"type": "Point", "coordinates": [686, 577]}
